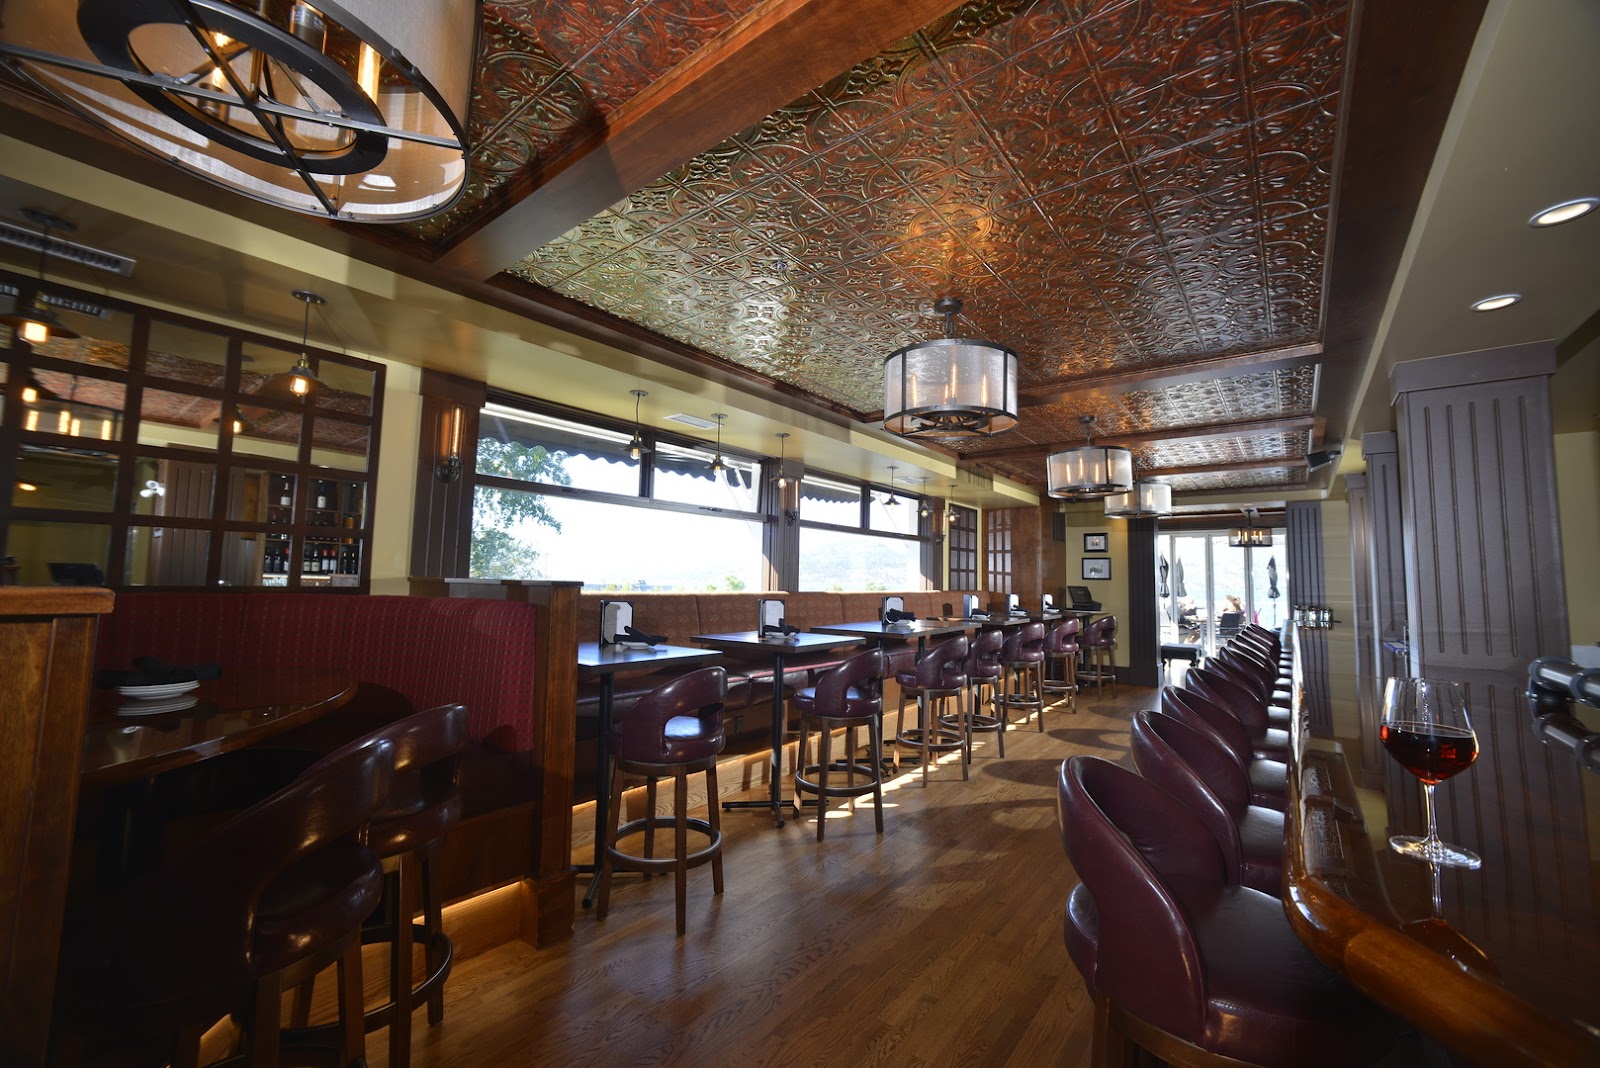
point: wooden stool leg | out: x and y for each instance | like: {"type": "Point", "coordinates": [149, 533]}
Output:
{"type": "Point", "coordinates": [1036, 671]}
{"type": "Point", "coordinates": [264, 1021]}
{"type": "Point", "coordinates": [433, 921]}
{"type": "Point", "coordinates": [352, 1017]}
{"type": "Point", "coordinates": [650, 828]}
{"type": "Point", "coordinates": [400, 953]}
{"type": "Point", "coordinates": [680, 832]}
{"type": "Point", "coordinates": [715, 821]}
{"type": "Point", "coordinates": [824, 758]}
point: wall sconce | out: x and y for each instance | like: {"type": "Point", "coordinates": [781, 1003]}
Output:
{"type": "Point", "coordinates": [448, 467]}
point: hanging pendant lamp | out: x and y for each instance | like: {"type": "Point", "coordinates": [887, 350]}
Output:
{"type": "Point", "coordinates": [783, 480]}
{"type": "Point", "coordinates": [1090, 470]}
{"type": "Point", "coordinates": [1145, 499]}
{"type": "Point", "coordinates": [950, 387]}
{"type": "Point", "coordinates": [637, 448]}
{"type": "Point", "coordinates": [717, 465]}
{"type": "Point", "coordinates": [302, 379]}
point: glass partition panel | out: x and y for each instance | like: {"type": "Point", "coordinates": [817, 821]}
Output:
{"type": "Point", "coordinates": [257, 496]}
{"type": "Point", "coordinates": [73, 406]}
{"type": "Point", "coordinates": [169, 419]}
{"type": "Point", "coordinates": [182, 354]}
{"type": "Point", "coordinates": [69, 554]}
{"type": "Point", "coordinates": [166, 556]}
{"type": "Point", "coordinates": [64, 478]}
{"type": "Point", "coordinates": [104, 338]}
{"type": "Point", "coordinates": [174, 487]}
{"type": "Point", "coordinates": [266, 432]}
{"type": "Point", "coordinates": [340, 444]}
{"type": "Point", "coordinates": [344, 388]}
{"type": "Point", "coordinates": [516, 534]}
{"type": "Point", "coordinates": [838, 560]}
{"type": "Point", "coordinates": [250, 559]}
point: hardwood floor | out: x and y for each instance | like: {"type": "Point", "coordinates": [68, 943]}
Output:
{"type": "Point", "coordinates": [938, 943]}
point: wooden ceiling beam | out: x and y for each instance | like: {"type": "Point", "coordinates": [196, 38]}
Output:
{"type": "Point", "coordinates": [1289, 463]}
{"type": "Point", "coordinates": [778, 52]}
{"type": "Point", "coordinates": [1250, 429]}
{"type": "Point", "coordinates": [1171, 375]}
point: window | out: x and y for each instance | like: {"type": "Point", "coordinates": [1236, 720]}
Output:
{"type": "Point", "coordinates": [998, 537]}
{"type": "Point", "coordinates": [1211, 590]}
{"type": "Point", "coordinates": [559, 496]}
{"type": "Point", "coordinates": [852, 538]}
{"type": "Point", "coordinates": [963, 536]}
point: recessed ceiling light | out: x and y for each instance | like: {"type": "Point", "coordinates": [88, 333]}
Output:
{"type": "Point", "coordinates": [1566, 211]}
{"type": "Point", "coordinates": [1504, 300]}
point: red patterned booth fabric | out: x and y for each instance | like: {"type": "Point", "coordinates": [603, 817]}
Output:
{"type": "Point", "coordinates": [428, 650]}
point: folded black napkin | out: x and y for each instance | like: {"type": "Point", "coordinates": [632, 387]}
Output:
{"type": "Point", "coordinates": [150, 671]}
{"type": "Point", "coordinates": [894, 615]}
{"type": "Point", "coordinates": [633, 635]}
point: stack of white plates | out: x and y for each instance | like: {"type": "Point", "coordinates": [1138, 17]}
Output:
{"type": "Point", "coordinates": [157, 691]}
{"type": "Point", "coordinates": [159, 704]}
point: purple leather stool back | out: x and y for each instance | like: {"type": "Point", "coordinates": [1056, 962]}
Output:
{"type": "Point", "coordinates": [1181, 703]}
{"type": "Point", "coordinates": [940, 668]}
{"type": "Point", "coordinates": [1231, 695]}
{"type": "Point", "coordinates": [983, 658]}
{"type": "Point", "coordinates": [1198, 771]}
{"type": "Point", "coordinates": [1126, 837]}
{"type": "Point", "coordinates": [677, 722]}
{"type": "Point", "coordinates": [854, 688]}
{"type": "Point", "coordinates": [1063, 637]}
{"type": "Point", "coordinates": [1025, 645]}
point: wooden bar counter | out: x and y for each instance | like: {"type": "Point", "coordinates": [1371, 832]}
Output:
{"type": "Point", "coordinates": [46, 649]}
{"type": "Point", "coordinates": [1507, 972]}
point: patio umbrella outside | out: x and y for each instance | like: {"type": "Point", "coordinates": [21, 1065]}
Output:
{"type": "Point", "coordinates": [1177, 579]}
{"type": "Point", "coordinates": [1165, 592]}
{"type": "Point", "coordinates": [1272, 587]}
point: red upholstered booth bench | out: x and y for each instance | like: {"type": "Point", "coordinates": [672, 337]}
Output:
{"type": "Point", "coordinates": [410, 653]}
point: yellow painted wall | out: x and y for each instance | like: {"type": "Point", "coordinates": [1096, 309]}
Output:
{"type": "Point", "coordinates": [397, 480]}
{"type": "Point", "coordinates": [1578, 487]}
{"type": "Point", "coordinates": [1090, 518]}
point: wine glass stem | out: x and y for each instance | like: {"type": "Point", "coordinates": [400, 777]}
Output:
{"type": "Point", "coordinates": [1433, 826]}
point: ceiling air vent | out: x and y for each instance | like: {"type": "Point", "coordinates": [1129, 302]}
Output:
{"type": "Point", "coordinates": [56, 300]}
{"type": "Point", "coordinates": [30, 238]}
{"type": "Point", "coordinates": [691, 420]}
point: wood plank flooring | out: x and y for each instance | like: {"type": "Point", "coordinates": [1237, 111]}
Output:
{"type": "Point", "coordinates": [938, 943]}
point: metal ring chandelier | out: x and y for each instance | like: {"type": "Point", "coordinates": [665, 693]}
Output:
{"type": "Point", "coordinates": [950, 387]}
{"type": "Point", "coordinates": [354, 109]}
{"type": "Point", "coordinates": [1144, 500]}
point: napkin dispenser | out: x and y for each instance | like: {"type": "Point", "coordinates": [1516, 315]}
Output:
{"type": "Point", "coordinates": [616, 627]}
{"type": "Point", "coordinates": [770, 622]}
{"type": "Point", "coordinates": [894, 613]}
{"type": "Point", "coordinates": [970, 609]}
{"type": "Point", "coordinates": [1014, 605]}
{"type": "Point", "coordinates": [1048, 606]}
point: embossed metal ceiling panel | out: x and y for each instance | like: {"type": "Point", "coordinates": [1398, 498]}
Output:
{"type": "Point", "coordinates": [1109, 187]}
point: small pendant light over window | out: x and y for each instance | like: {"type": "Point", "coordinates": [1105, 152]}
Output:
{"type": "Point", "coordinates": [637, 449]}
{"type": "Point", "coordinates": [717, 465]}
{"type": "Point", "coordinates": [891, 500]}
{"type": "Point", "coordinates": [783, 480]}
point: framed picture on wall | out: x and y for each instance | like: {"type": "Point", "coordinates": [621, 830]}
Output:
{"type": "Point", "coordinates": [1097, 567]}
{"type": "Point", "coordinates": [1094, 543]}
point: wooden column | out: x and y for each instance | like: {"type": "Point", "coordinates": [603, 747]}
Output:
{"type": "Point", "coordinates": [441, 533]}
{"type": "Point", "coordinates": [1485, 595]}
{"type": "Point", "coordinates": [47, 646]}
{"type": "Point", "coordinates": [1369, 685]}
{"type": "Point", "coordinates": [1303, 523]}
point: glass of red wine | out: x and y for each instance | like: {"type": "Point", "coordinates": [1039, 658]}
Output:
{"type": "Point", "coordinates": [1426, 728]}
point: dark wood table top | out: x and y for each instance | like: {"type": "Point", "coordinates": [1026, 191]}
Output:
{"type": "Point", "coordinates": [245, 706]}
{"type": "Point", "coordinates": [999, 619]}
{"type": "Point", "coordinates": [1507, 971]}
{"type": "Point", "coordinates": [922, 628]}
{"type": "Point", "coordinates": [749, 641]}
{"type": "Point", "coordinates": [597, 659]}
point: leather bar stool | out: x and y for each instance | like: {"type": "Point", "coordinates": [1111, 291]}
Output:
{"type": "Point", "coordinates": [1193, 766]}
{"type": "Point", "coordinates": [937, 675]}
{"type": "Point", "coordinates": [1100, 639]}
{"type": "Point", "coordinates": [1269, 779]}
{"type": "Point", "coordinates": [1022, 674]}
{"type": "Point", "coordinates": [424, 806]}
{"type": "Point", "coordinates": [983, 673]}
{"type": "Point", "coordinates": [1278, 715]}
{"type": "Point", "coordinates": [1197, 971]}
{"type": "Point", "coordinates": [1061, 649]}
{"type": "Point", "coordinates": [274, 895]}
{"type": "Point", "coordinates": [675, 729]}
{"type": "Point", "coordinates": [848, 696]}
{"type": "Point", "coordinates": [1269, 735]}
